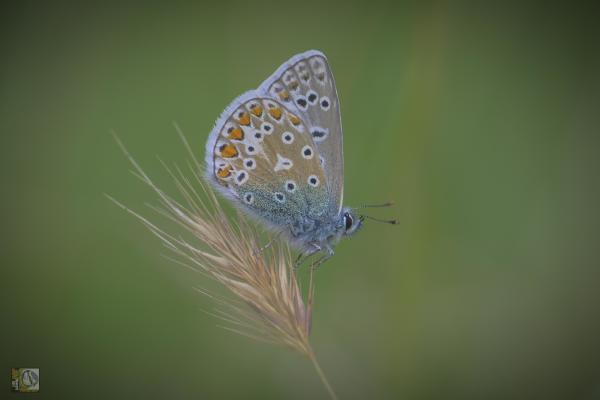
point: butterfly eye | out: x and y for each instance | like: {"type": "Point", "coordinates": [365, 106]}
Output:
{"type": "Point", "coordinates": [348, 221]}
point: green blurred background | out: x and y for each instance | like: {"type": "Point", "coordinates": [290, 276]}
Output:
{"type": "Point", "coordinates": [479, 120]}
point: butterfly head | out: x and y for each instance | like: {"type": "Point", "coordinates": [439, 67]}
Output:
{"type": "Point", "coordinates": [352, 224]}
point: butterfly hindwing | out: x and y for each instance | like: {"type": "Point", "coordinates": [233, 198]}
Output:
{"type": "Point", "coordinates": [260, 154]}
{"type": "Point", "coordinates": [306, 86]}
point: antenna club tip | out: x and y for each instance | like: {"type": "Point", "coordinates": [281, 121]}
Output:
{"type": "Point", "coordinates": [385, 221]}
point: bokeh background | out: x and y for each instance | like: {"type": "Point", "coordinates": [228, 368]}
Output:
{"type": "Point", "coordinates": [479, 120]}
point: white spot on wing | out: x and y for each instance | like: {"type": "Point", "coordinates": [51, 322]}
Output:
{"type": "Point", "coordinates": [301, 102]}
{"type": "Point", "coordinates": [248, 198]}
{"type": "Point", "coordinates": [283, 163]}
{"type": "Point", "coordinates": [318, 69]}
{"type": "Point", "coordinates": [307, 152]}
{"type": "Point", "coordinates": [267, 128]}
{"type": "Point", "coordinates": [325, 103]}
{"type": "Point", "coordinates": [252, 149]}
{"type": "Point", "coordinates": [312, 97]}
{"type": "Point", "coordinates": [290, 186]}
{"type": "Point", "coordinates": [258, 136]}
{"type": "Point", "coordinates": [279, 197]}
{"type": "Point", "coordinates": [319, 134]}
{"type": "Point", "coordinates": [287, 137]}
{"type": "Point", "coordinates": [241, 177]}
{"type": "Point", "coordinates": [227, 129]}
{"type": "Point", "coordinates": [250, 163]}
{"type": "Point", "coordinates": [302, 71]}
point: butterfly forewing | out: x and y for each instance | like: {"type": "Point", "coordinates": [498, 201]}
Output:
{"type": "Point", "coordinates": [306, 85]}
{"type": "Point", "coordinates": [262, 155]}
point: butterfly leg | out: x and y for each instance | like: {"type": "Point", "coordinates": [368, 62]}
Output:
{"type": "Point", "coordinates": [328, 254]}
{"type": "Point", "coordinates": [303, 256]}
{"type": "Point", "coordinates": [266, 246]}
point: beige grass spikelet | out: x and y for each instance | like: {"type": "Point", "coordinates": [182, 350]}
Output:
{"type": "Point", "coordinates": [266, 302]}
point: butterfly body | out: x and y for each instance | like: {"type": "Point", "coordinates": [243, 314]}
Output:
{"type": "Point", "coordinates": [277, 153]}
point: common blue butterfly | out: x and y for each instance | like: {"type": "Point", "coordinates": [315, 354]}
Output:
{"type": "Point", "coordinates": [277, 153]}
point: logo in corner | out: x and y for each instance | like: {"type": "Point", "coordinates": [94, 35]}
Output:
{"type": "Point", "coordinates": [25, 380]}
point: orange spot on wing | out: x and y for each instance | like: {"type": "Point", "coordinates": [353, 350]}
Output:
{"type": "Point", "coordinates": [228, 151]}
{"type": "Point", "coordinates": [256, 110]}
{"type": "Point", "coordinates": [244, 119]}
{"type": "Point", "coordinates": [224, 172]}
{"type": "Point", "coordinates": [284, 95]}
{"type": "Point", "coordinates": [275, 113]}
{"type": "Point", "coordinates": [236, 134]}
{"type": "Point", "coordinates": [294, 120]}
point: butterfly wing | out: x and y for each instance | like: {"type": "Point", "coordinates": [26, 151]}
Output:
{"type": "Point", "coordinates": [305, 85]}
{"type": "Point", "coordinates": [260, 155]}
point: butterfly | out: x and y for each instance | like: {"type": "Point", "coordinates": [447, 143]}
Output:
{"type": "Point", "coordinates": [277, 153]}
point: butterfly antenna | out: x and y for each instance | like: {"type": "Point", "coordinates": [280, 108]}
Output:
{"type": "Point", "coordinates": [388, 204]}
{"type": "Point", "coordinates": [385, 221]}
